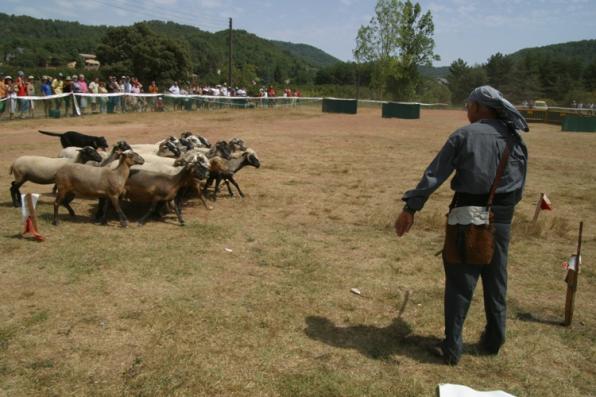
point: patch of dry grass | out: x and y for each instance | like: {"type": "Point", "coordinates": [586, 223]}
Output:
{"type": "Point", "coordinates": [166, 310]}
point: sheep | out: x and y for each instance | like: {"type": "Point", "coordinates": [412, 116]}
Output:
{"type": "Point", "coordinates": [71, 152]}
{"type": "Point", "coordinates": [42, 170]}
{"type": "Point", "coordinates": [221, 169]}
{"type": "Point", "coordinates": [95, 182]}
{"type": "Point", "coordinates": [146, 148]}
{"type": "Point", "coordinates": [169, 148]}
{"type": "Point", "coordinates": [237, 144]}
{"type": "Point", "coordinates": [196, 140]}
{"type": "Point", "coordinates": [160, 187]}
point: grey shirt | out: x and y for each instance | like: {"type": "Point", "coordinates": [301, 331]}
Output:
{"type": "Point", "coordinates": [474, 152]}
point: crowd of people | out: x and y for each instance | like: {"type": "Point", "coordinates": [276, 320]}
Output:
{"type": "Point", "coordinates": [23, 86]}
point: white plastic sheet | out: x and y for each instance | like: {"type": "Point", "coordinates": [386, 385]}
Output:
{"type": "Point", "coordinates": [450, 390]}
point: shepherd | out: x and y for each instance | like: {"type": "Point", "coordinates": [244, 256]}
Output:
{"type": "Point", "coordinates": [489, 158]}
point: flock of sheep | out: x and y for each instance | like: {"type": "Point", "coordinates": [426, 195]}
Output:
{"type": "Point", "coordinates": [159, 174]}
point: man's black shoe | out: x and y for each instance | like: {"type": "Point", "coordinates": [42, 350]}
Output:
{"type": "Point", "coordinates": [438, 351]}
{"type": "Point", "coordinates": [485, 347]}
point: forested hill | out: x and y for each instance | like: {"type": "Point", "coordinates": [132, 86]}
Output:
{"type": "Point", "coordinates": [30, 42]}
{"type": "Point", "coordinates": [583, 51]}
{"type": "Point", "coordinates": [313, 55]}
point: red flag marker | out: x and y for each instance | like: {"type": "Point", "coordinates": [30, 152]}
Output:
{"type": "Point", "coordinates": [545, 203]}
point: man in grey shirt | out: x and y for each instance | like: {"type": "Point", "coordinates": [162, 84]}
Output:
{"type": "Point", "coordinates": [474, 153]}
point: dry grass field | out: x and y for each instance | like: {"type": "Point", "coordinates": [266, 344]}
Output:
{"type": "Point", "coordinates": [165, 310]}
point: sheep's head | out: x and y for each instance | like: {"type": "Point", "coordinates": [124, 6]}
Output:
{"type": "Point", "coordinates": [222, 149]}
{"type": "Point", "coordinates": [121, 146]}
{"type": "Point", "coordinates": [237, 144]}
{"type": "Point", "coordinates": [88, 153]}
{"type": "Point", "coordinates": [131, 158]}
{"type": "Point", "coordinates": [202, 165]}
{"type": "Point", "coordinates": [252, 159]}
{"type": "Point", "coordinates": [172, 147]}
{"type": "Point", "coordinates": [187, 143]}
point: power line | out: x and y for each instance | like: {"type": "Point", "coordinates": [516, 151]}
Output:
{"type": "Point", "coordinates": [204, 15]}
{"type": "Point", "coordinates": [139, 10]}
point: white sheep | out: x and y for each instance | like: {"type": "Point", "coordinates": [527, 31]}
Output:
{"type": "Point", "coordinates": [42, 170]}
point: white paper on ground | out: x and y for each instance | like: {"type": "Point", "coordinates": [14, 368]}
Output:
{"type": "Point", "coordinates": [24, 209]}
{"type": "Point", "coordinates": [449, 390]}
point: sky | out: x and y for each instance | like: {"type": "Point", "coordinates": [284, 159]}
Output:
{"type": "Point", "coordinates": [472, 30]}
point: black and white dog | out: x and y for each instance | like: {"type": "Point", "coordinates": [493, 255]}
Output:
{"type": "Point", "coordinates": [73, 138]}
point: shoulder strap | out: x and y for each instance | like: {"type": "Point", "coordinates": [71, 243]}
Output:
{"type": "Point", "coordinates": [500, 171]}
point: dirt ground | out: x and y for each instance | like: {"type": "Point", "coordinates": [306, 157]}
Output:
{"type": "Point", "coordinates": [253, 297]}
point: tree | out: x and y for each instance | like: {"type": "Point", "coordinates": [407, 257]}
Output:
{"type": "Point", "coordinates": [499, 71]}
{"type": "Point", "coordinates": [137, 50]}
{"type": "Point", "coordinates": [462, 79]}
{"type": "Point", "coordinates": [397, 40]}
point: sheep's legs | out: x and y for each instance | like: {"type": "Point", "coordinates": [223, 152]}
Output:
{"type": "Point", "coordinates": [66, 203]}
{"type": "Point", "coordinates": [216, 190]}
{"type": "Point", "coordinates": [200, 193]}
{"type": "Point", "coordinates": [105, 204]}
{"type": "Point", "coordinates": [208, 183]}
{"type": "Point", "coordinates": [148, 214]}
{"type": "Point", "coordinates": [116, 204]}
{"type": "Point", "coordinates": [231, 179]}
{"type": "Point", "coordinates": [99, 212]}
{"type": "Point", "coordinates": [229, 188]}
{"type": "Point", "coordinates": [178, 211]}
{"type": "Point", "coordinates": [57, 202]}
{"type": "Point", "coordinates": [15, 193]}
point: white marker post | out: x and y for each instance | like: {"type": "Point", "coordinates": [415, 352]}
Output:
{"type": "Point", "coordinates": [29, 217]}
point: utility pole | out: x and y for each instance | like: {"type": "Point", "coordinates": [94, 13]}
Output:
{"type": "Point", "coordinates": [230, 57]}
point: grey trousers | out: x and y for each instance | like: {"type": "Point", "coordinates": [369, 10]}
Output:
{"type": "Point", "coordinates": [460, 282]}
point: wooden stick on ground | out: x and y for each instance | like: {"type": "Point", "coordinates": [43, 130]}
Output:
{"type": "Point", "coordinates": [538, 207]}
{"type": "Point", "coordinates": [571, 280]}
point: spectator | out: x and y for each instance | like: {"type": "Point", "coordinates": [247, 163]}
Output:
{"type": "Point", "coordinates": [30, 92]}
{"type": "Point", "coordinates": [136, 88]}
{"type": "Point", "coordinates": [11, 94]}
{"type": "Point", "coordinates": [83, 89]}
{"type": "Point", "coordinates": [46, 90]}
{"type": "Point", "coordinates": [67, 89]}
{"type": "Point", "coordinates": [58, 88]}
{"type": "Point", "coordinates": [114, 88]}
{"type": "Point", "coordinates": [103, 100]}
{"type": "Point", "coordinates": [271, 91]}
{"type": "Point", "coordinates": [153, 89]}
{"type": "Point", "coordinates": [21, 88]}
{"type": "Point", "coordinates": [94, 89]}
{"type": "Point", "coordinates": [175, 90]}
{"type": "Point", "coordinates": [76, 89]}
{"type": "Point", "coordinates": [126, 88]}
{"type": "Point", "coordinates": [2, 94]}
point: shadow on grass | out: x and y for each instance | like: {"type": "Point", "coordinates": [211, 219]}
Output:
{"type": "Point", "coordinates": [64, 217]}
{"type": "Point", "coordinates": [529, 317]}
{"type": "Point", "coordinates": [379, 343]}
{"type": "Point", "coordinates": [7, 204]}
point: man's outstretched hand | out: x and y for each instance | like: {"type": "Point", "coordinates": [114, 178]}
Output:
{"type": "Point", "coordinates": [404, 222]}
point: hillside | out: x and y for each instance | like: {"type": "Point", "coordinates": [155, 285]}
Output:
{"type": "Point", "coordinates": [583, 51]}
{"type": "Point", "coordinates": [308, 53]}
{"type": "Point", "coordinates": [31, 43]}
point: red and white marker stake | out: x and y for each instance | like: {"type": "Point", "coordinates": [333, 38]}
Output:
{"type": "Point", "coordinates": [29, 217]}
